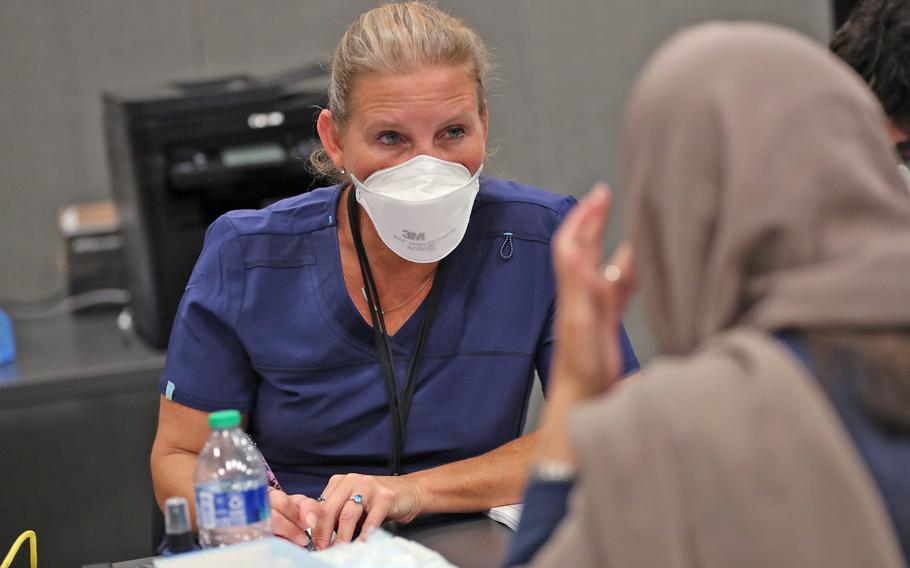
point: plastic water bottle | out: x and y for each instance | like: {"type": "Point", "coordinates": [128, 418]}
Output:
{"type": "Point", "coordinates": [232, 503]}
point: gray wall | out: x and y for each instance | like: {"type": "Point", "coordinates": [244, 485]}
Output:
{"type": "Point", "coordinates": [564, 69]}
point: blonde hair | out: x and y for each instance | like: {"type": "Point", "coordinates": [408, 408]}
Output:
{"type": "Point", "coordinates": [399, 38]}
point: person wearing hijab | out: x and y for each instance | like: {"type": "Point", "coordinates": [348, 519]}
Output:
{"type": "Point", "coordinates": [769, 233]}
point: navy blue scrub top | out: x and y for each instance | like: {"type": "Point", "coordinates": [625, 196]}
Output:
{"type": "Point", "coordinates": [266, 326]}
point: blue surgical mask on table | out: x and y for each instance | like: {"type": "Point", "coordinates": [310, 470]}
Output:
{"type": "Point", "coordinates": [421, 207]}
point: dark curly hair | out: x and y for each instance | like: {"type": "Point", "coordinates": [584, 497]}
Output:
{"type": "Point", "coordinates": [875, 41]}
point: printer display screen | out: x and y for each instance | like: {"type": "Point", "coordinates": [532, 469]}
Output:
{"type": "Point", "coordinates": [253, 155]}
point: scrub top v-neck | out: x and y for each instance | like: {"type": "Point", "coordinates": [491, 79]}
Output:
{"type": "Point", "coordinates": [266, 326]}
{"type": "Point", "coordinates": [337, 301]}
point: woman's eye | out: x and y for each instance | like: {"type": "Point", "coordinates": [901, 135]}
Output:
{"type": "Point", "coordinates": [389, 138]}
{"type": "Point", "coordinates": [454, 132]}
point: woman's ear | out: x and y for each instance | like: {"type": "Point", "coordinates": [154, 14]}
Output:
{"type": "Point", "coordinates": [330, 136]}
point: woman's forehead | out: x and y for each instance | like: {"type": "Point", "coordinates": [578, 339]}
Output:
{"type": "Point", "coordinates": [428, 92]}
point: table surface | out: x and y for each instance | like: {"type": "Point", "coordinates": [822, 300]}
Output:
{"type": "Point", "coordinates": [68, 351]}
{"type": "Point", "coordinates": [71, 345]}
{"type": "Point", "coordinates": [468, 542]}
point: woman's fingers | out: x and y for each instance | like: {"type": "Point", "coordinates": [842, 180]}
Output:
{"type": "Point", "coordinates": [378, 510]}
{"type": "Point", "coordinates": [577, 246]}
{"type": "Point", "coordinates": [287, 529]}
{"type": "Point", "coordinates": [354, 499]}
{"type": "Point", "coordinates": [281, 503]}
{"type": "Point", "coordinates": [325, 520]}
{"type": "Point", "coordinates": [284, 518]}
{"type": "Point", "coordinates": [577, 252]}
{"type": "Point", "coordinates": [351, 513]}
{"type": "Point", "coordinates": [307, 511]}
{"type": "Point", "coordinates": [565, 248]}
{"type": "Point", "coordinates": [614, 282]}
{"type": "Point", "coordinates": [612, 288]}
{"type": "Point", "coordinates": [624, 287]}
{"type": "Point", "coordinates": [589, 301]}
{"type": "Point", "coordinates": [338, 512]}
{"type": "Point", "coordinates": [594, 223]}
{"type": "Point", "coordinates": [330, 486]}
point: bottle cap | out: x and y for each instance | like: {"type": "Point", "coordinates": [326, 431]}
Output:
{"type": "Point", "coordinates": [176, 516]}
{"type": "Point", "coordinates": [224, 419]}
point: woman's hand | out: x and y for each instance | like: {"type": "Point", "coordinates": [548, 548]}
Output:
{"type": "Point", "coordinates": [292, 515]}
{"type": "Point", "coordinates": [589, 304]}
{"type": "Point", "coordinates": [381, 498]}
{"type": "Point", "coordinates": [590, 300]}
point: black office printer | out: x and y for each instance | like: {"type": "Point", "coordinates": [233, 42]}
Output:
{"type": "Point", "coordinates": [182, 154]}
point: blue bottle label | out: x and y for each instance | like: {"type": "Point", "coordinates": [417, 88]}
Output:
{"type": "Point", "coordinates": [225, 509]}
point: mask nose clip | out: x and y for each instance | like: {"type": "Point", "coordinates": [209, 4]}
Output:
{"type": "Point", "coordinates": [507, 245]}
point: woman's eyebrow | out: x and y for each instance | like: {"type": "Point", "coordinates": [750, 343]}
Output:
{"type": "Point", "coordinates": [383, 124]}
{"type": "Point", "coordinates": [460, 117]}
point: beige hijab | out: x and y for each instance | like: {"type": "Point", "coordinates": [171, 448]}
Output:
{"type": "Point", "coordinates": [763, 195]}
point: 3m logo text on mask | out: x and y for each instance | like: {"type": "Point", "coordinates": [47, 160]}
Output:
{"type": "Point", "coordinates": [420, 208]}
{"type": "Point", "coordinates": [412, 236]}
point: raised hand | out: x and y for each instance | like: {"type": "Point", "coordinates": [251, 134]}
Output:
{"type": "Point", "coordinates": [591, 299]}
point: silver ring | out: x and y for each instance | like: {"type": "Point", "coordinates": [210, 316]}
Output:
{"type": "Point", "coordinates": [321, 499]}
{"type": "Point", "coordinates": [612, 273]}
{"type": "Point", "coordinates": [357, 499]}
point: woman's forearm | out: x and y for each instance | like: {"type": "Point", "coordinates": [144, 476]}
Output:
{"type": "Point", "coordinates": [181, 435]}
{"type": "Point", "coordinates": [476, 484]}
{"type": "Point", "coordinates": [554, 444]}
{"type": "Point", "coordinates": [500, 476]}
{"type": "Point", "coordinates": [172, 476]}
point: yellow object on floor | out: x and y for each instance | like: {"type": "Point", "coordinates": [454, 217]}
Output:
{"type": "Point", "coordinates": [33, 547]}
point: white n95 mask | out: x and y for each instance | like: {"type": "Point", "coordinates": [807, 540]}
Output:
{"type": "Point", "coordinates": [420, 208]}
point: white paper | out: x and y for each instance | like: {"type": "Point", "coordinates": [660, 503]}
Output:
{"type": "Point", "coordinates": [508, 515]}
